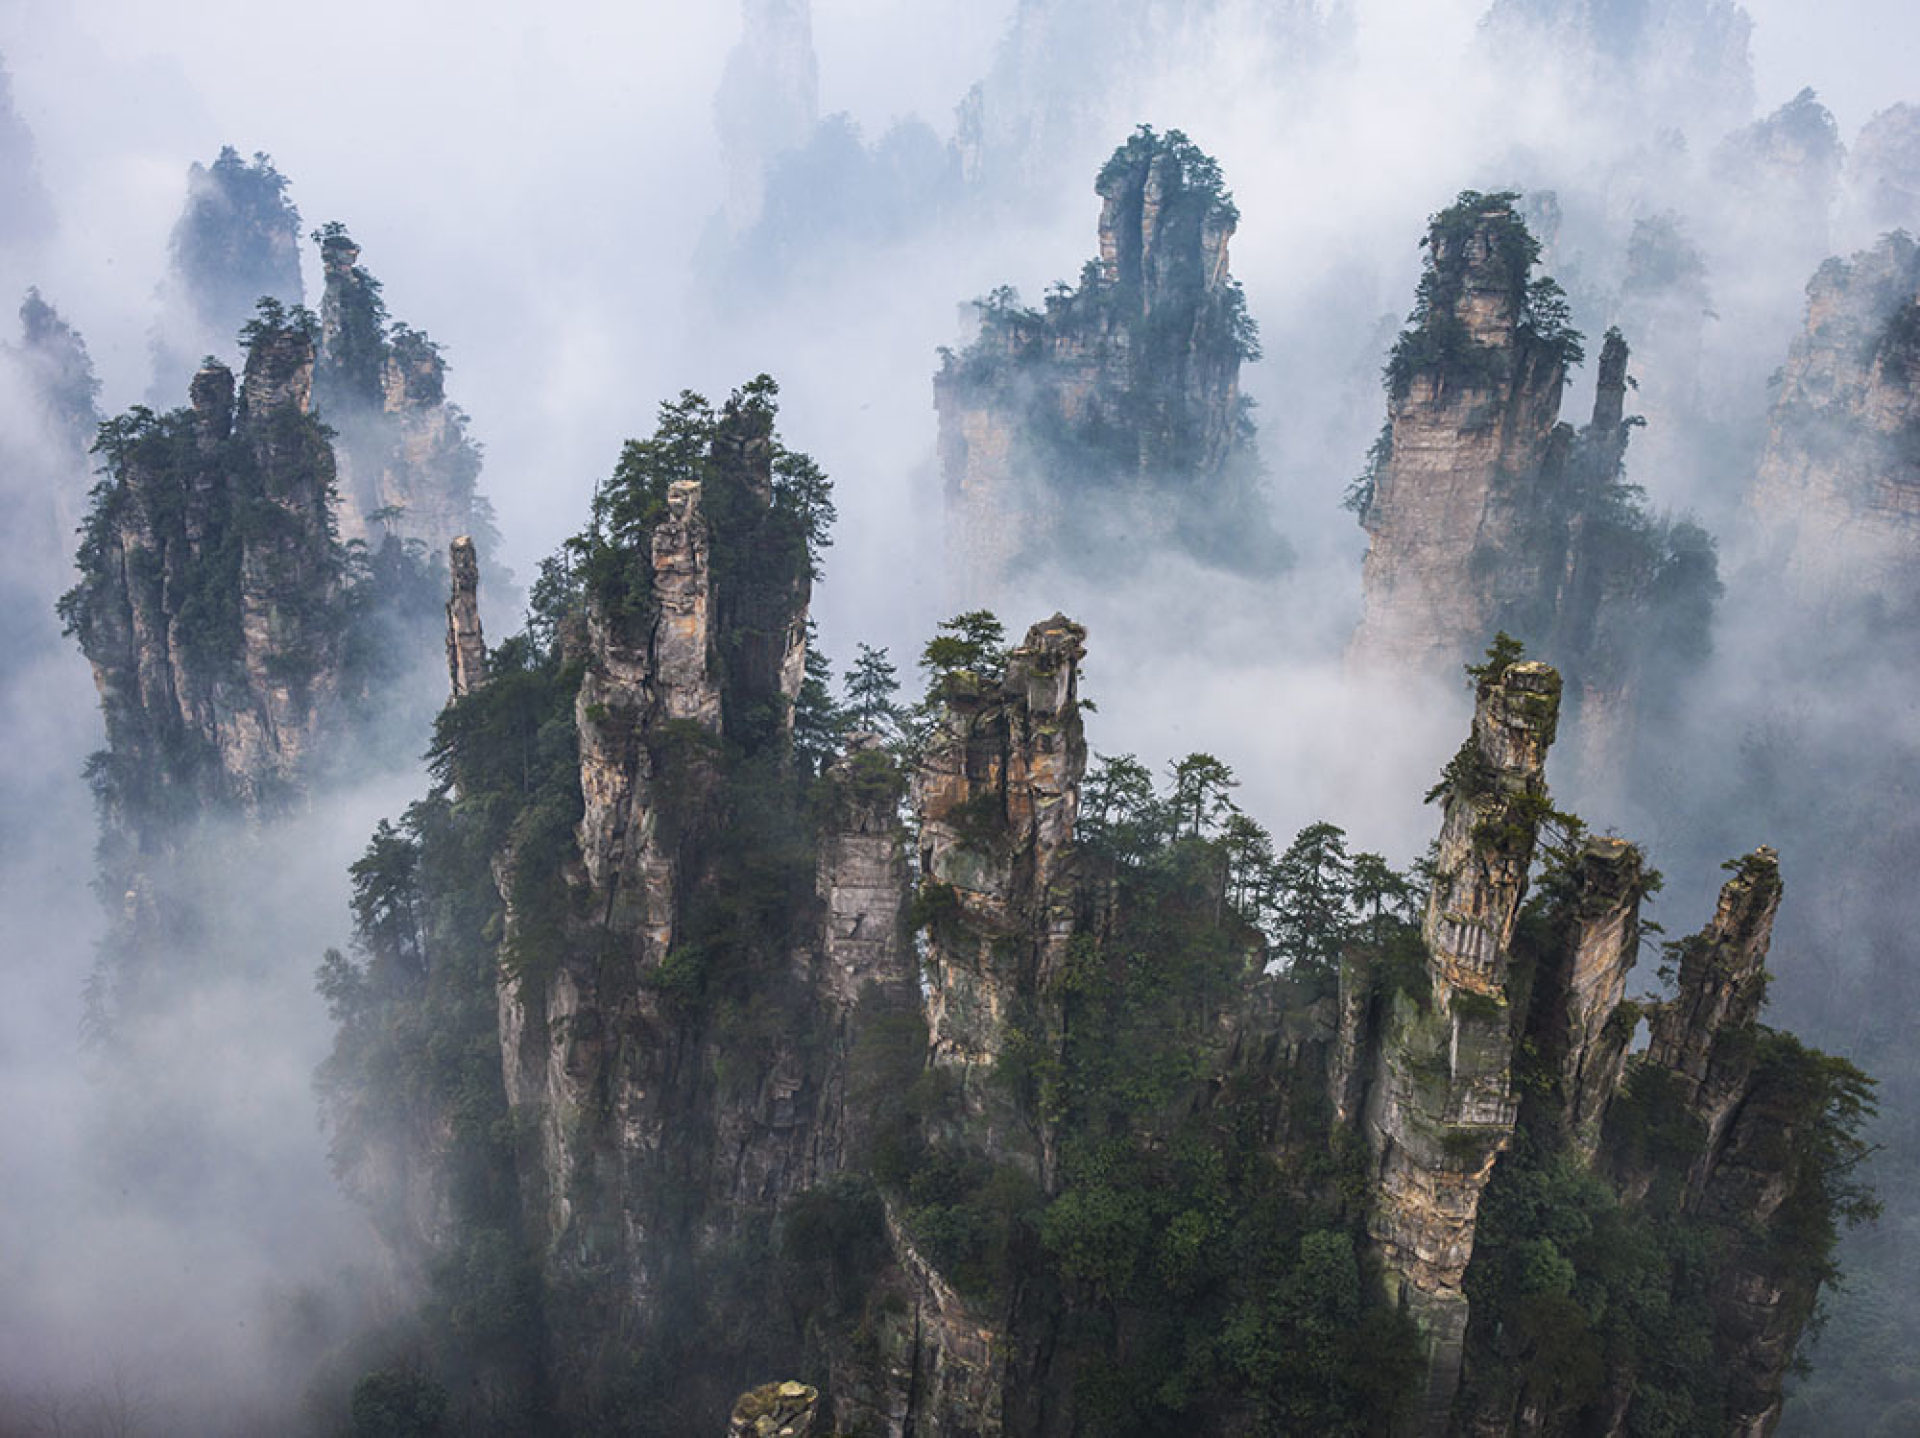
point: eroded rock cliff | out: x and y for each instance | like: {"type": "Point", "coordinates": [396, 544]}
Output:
{"type": "Point", "coordinates": [1010, 1115]}
{"type": "Point", "coordinates": [407, 467]}
{"type": "Point", "coordinates": [1486, 513]}
{"type": "Point", "coordinates": [1440, 1109]}
{"type": "Point", "coordinates": [210, 590]}
{"type": "Point", "coordinates": [996, 795]}
{"type": "Point", "coordinates": [1116, 410]}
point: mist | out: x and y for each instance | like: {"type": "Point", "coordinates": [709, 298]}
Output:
{"type": "Point", "coordinates": [546, 194]}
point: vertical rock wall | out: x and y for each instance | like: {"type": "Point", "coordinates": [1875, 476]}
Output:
{"type": "Point", "coordinates": [1439, 1109]}
{"type": "Point", "coordinates": [407, 467]}
{"type": "Point", "coordinates": [1457, 547]}
{"type": "Point", "coordinates": [997, 793]}
{"type": "Point", "coordinates": [208, 605]}
{"type": "Point", "coordinates": [1117, 408]}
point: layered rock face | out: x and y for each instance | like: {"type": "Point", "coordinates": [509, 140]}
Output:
{"type": "Point", "coordinates": [1484, 512]}
{"type": "Point", "coordinates": [1838, 490]}
{"type": "Point", "coordinates": [1122, 395]}
{"type": "Point", "coordinates": [613, 1056]}
{"type": "Point", "coordinates": [718, 1070]}
{"type": "Point", "coordinates": [1469, 458]}
{"type": "Point", "coordinates": [1576, 1003]}
{"type": "Point", "coordinates": [466, 640]}
{"type": "Point", "coordinates": [1439, 1109]}
{"type": "Point", "coordinates": [1031, 1132]}
{"type": "Point", "coordinates": [407, 468]}
{"type": "Point", "coordinates": [1749, 1094]}
{"type": "Point", "coordinates": [997, 794]}
{"type": "Point", "coordinates": [1526, 1027]}
{"type": "Point", "coordinates": [211, 580]}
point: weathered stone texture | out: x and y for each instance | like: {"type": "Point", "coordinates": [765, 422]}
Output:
{"type": "Point", "coordinates": [242, 526]}
{"type": "Point", "coordinates": [1472, 450]}
{"type": "Point", "coordinates": [1438, 1111]}
{"type": "Point", "coordinates": [1577, 994]}
{"type": "Point", "coordinates": [407, 466]}
{"type": "Point", "coordinates": [997, 794]}
{"type": "Point", "coordinates": [466, 641]}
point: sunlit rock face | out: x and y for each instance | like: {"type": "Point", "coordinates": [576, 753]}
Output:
{"type": "Point", "coordinates": [1111, 421]}
{"type": "Point", "coordinates": [1838, 490]}
{"type": "Point", "coordinates": [466, 640]}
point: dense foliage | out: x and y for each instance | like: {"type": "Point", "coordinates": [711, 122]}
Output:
{"type": "Point", "coordinates": [1143, 1193]}
{"type": "Point", "coordinates": [1480, 238]}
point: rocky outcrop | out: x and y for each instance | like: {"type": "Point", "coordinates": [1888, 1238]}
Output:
{"type": "Point", "coordinates": [657, 1132]}
{"type": "Point", "coordinates": [866, 965]}
{"type": "Point", "coordinates": [1577, 1024]}
{"type": "Point", "coordinates": [408, 469]}
{"type": "Point", "coordinates": [775, 1410]}
{"type": "Point", "coordinates": [1699, 1037]}
{"type": "Point", "coordinates": [997, 794]}
{"type": "Point", "coordinates": [209, 602]}
{"type": "Point", "coordinates": [1119, 404]}
{"type": "Point", "coordinates": [1439, 1109]}
{"type": "Point", "coordinates": [466, 641]}
{"type": "Point", "coordinates": [1748, 1096]}
{"type": "Point", "coordinates": [1485, 513]}
{"type": "Point", "coordinates": [237, 240]}
{"type": "Point", "coordinates": [1462, 475]}
{"type": "Point", "coordinates": [1838, 490]}
{"type": "Point", "coordinates": [970, 1154]}
{"type": "Point", "coordinates": [631, 687]}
